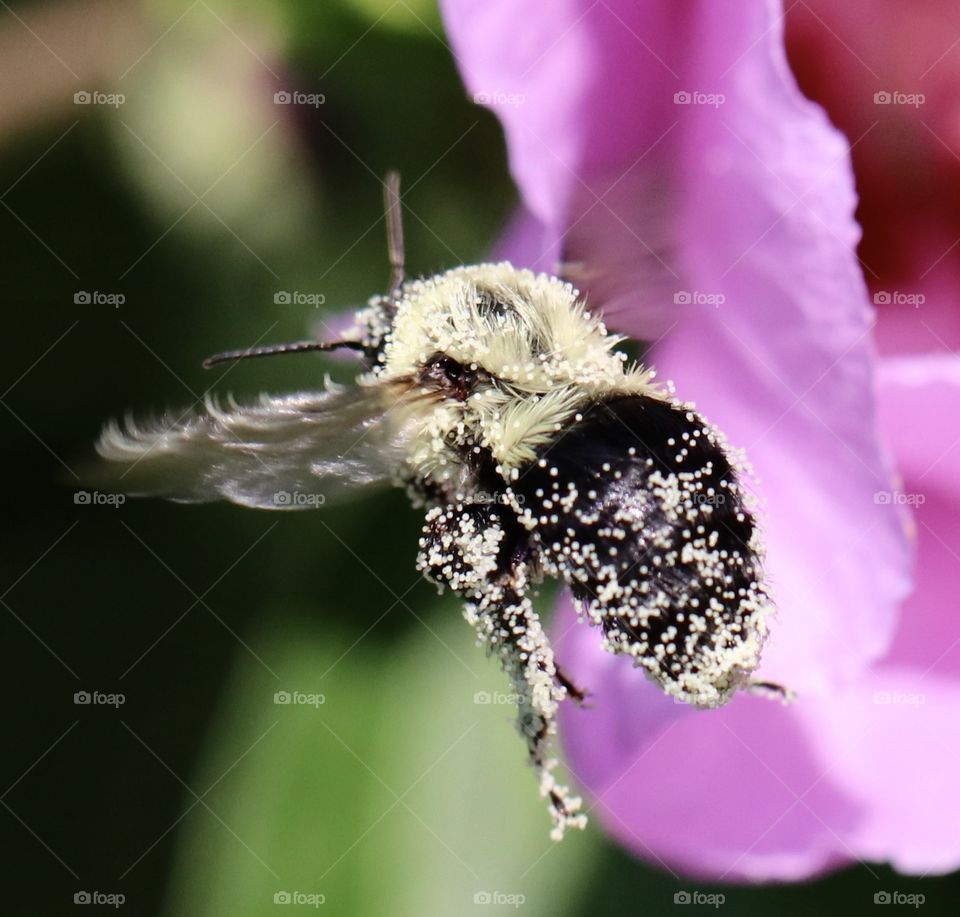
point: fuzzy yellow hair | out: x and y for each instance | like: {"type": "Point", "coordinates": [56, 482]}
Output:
{"type": "Point", "coordinates": [544, 354]}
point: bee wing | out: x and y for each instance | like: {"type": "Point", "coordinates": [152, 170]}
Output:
{"type": "Point", "coordinates": [262, 455]}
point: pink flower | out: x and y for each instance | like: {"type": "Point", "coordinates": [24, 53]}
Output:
{"type": "Point", "coordinates": [665, 150]}
{"type": "Point", "coordinates": [888, 76]}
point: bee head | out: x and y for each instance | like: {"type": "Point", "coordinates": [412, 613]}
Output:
{"type": "Point", "coordinates": [506, 356]}
{"type": "Point", "coordinates": [496, 324]}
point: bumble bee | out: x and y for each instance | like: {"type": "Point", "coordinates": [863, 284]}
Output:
{"type": "Point", "coordinates": [537, 449]}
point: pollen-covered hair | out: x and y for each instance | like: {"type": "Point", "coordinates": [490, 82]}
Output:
{"type": "Point", "coordinates": [535, 356]}
{"type": "Point", "coordinates": [528, 330]}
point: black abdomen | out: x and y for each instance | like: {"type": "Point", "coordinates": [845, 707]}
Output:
{"type": "Point", "coordinates": [638, 508]}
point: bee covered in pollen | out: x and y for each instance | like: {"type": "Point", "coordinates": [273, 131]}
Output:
{"type": "Point", "coordinates": [538, 450]}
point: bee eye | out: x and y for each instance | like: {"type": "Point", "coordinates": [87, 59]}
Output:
{"type": "Point", "coordinates": [448, 375]}
{"type": "Point", "coordinates": [440, 367]}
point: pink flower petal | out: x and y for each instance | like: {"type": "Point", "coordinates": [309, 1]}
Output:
{"type": "Point", "coordinates": [730, 794]}
{"type": "Point", "coordinates": [918, 398]}
{"type": "Point", "coordinates": [784, 364]}
{"type": "Point", "coordinates": [892, 742]}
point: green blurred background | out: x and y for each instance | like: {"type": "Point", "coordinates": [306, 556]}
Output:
{"type": "Point", "coordinates": [198, 199]}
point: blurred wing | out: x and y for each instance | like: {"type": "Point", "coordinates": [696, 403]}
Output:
{"type": "Point", "coordinates": [293, 452]}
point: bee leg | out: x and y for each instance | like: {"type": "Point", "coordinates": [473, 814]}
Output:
{"type": "Point", "coordinates": [474, 550]}
{"type": "Point", "coordinates": [772, 689]}
{"type": "Point", "coordinates": [578, 695]}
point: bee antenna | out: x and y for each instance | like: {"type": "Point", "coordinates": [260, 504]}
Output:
{"type": "Point", "coordinates": [394, 220]}
{"type": "Point", "coordinates": [269, 350]}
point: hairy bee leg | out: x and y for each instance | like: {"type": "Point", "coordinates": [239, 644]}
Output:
{"type": "Point", "coordinates": [469, 550]}
{"type": "Point", "coordinates": [508, 626]}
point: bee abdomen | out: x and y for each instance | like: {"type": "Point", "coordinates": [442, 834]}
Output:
{"type": "Point", "coordinates": [639, 510]}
